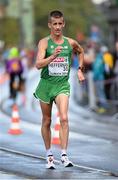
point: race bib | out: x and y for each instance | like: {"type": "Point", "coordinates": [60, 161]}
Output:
{"type": "Point", "coordinates": [59, 67]}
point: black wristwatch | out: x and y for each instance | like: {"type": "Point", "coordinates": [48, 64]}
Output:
{"type": "Point", "coordinates": [81, 68]}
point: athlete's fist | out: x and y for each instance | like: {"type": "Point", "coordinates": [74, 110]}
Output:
{"type": "Point", "coordinates": [81, 76]}
{"type": "Point", "coordinates": [57, 50]}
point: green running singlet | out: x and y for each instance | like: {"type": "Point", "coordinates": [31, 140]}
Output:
{"type": "Point", "coordinates": [54, 76]}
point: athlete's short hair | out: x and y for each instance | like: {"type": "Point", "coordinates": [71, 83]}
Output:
{"type": "Point", "coordinates": [55, 14]}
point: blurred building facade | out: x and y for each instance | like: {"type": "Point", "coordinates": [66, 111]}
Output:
{"type": "Point", "coordinates": [110, 9]}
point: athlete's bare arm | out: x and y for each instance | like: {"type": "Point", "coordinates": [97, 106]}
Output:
{"type": "Point", "coordinates": [79, 50]}
{"type": "Point", "coordinates": [41, 61]}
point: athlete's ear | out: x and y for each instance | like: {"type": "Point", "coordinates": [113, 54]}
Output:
{"type": "Point", "coordinates": [64, 24]}
{"type": "Point", "coordinates": [49, 25]}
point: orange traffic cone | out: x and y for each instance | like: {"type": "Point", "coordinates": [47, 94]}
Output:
{"type": "Point", "coordinates": [56, 139]}
{"type": "Point", "coordinates": [15, 128]}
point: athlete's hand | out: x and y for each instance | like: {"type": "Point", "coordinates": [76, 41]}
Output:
{"type": "Point", "coordinates": [81, 76]}
{"type": "Point", "coordinates": [57, 51]}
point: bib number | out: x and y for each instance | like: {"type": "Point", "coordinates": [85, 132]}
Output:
{"type": "Point", "coordinates": [59, 67]}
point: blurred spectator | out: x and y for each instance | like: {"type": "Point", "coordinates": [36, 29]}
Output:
{"type": "Point", "coordinates": [15, 70]}
{"type": "Point", "coordinates": [75, 63]}
{"type": "Point", "coordinates": [98, 77]}
{"type": "Point", "coordinates": [30, 56]}
{"type": "Point", "coordinates": [115, 56]}
{"type": "Point", "coordinates": [76, 88]}
{"type": "Point", "coordinates": [108, 70]}
{"type": "Point", "coordinates": [5, 55]}
{"type": "Point", "coordinates": [25, 62]}
{"type": "Point", "coordinates": [89, 55]}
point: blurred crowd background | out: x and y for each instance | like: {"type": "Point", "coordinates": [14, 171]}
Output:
{"type": "Point", "coordinates": [95, 26]}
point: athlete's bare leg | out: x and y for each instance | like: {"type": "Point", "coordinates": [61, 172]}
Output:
{"type": "Point", "coordinates": [46, 123]}
{"type": "Point", "coordinates": [62, 102]}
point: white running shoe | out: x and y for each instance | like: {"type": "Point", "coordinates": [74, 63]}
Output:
{"type": "Point", "coordinates": [50, 162]}
{"type": "Point", "coordinates": [65, 161]}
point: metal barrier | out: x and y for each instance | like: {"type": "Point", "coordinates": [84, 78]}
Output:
{"type": "Point", "coordinates": [92, 98]}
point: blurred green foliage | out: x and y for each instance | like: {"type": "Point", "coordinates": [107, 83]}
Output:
{"type": "Point", "coordinates": [117, 2]}
{"type": "Point", "coordinates": [79, 16]}
{"type": "Point", "coordinates": [4, 2]}
{"type": "Point", "coordinates": [9, 30]}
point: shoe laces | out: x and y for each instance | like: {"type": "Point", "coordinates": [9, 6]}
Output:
{"type": "Point", "coordinates": [50, 159]}
{"type": "Point", "coordinates": [65, 158]}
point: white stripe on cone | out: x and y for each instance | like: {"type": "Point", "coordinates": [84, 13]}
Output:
{"type": "Point", "coordinates": [15, 126]}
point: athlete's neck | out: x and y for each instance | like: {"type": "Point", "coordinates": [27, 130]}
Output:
{"type": "Point", "coordinates": [57, 39]}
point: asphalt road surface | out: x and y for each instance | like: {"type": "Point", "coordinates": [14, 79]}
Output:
{"type": "Point", "coordinates": [93, 145]}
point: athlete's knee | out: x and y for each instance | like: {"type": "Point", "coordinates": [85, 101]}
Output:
{"type": "Point", "coordinates": [46, 121]}
{"type": "Point", "coordinates": [64, 120]}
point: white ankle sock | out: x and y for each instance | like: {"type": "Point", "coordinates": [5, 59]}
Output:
{"type": "Point", "coordinates": [48, 152]}
{"type": "Point", "coordinates": [63, 151]}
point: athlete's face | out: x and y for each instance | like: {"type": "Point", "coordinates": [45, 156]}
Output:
{"type": "Point", "coordinates": [56, 25]}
